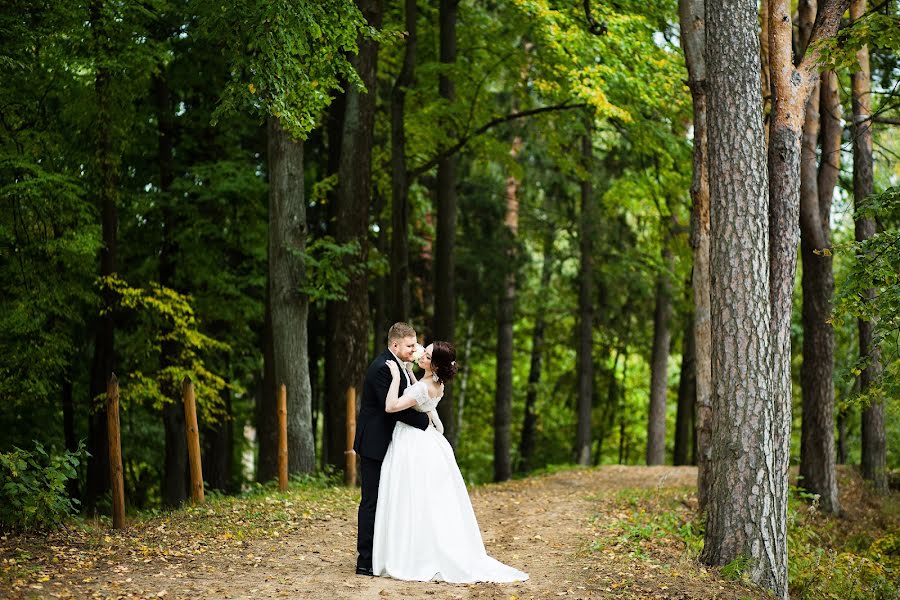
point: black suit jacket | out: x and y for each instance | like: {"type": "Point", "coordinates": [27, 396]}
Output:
{"type": "Point", "coordinates": [374, 426]}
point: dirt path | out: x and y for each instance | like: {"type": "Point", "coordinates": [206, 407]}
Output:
{"type": "Point", "coordinates": [540, 525]}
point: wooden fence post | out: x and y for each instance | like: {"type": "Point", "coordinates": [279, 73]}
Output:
{"type": "Point", "coordinates": [350, 473]}
{"type": "Point", "coordinates": [193, 440]}
{"type": "Point", "coordinates": [282, 439]}
{"type": "Point", "coordinates": [116, 484]}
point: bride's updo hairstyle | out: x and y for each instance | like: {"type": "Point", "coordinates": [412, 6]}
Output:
{"type": "Point", "coordinates": [443, 361]}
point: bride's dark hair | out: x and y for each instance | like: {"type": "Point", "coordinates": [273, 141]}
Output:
{"type": "Point", "coordinates": [443, 361]}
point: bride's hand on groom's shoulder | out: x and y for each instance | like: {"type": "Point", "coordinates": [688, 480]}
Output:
{"type": "Point", "coordinates": [393, 368]}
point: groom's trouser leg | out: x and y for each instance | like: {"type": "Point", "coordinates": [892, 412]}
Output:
{"type": "Point", "coordinates": [369, 473]}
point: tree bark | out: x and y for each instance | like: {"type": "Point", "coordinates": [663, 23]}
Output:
{"type": "Point", "coordinates": [693, 38]}
{"type": "Point", "coordinates": [742, 475]}
{"type": "Point", "coordinates": [874, 447]}
{"type": "Point", "coordinates": [687, 394]}
{"type": "Point", "coordinates": [445, 243]}
{"type": "Point", "coordinates": [817, 453]}
{"type": "Point", "coordinates": [400, 295]}
{"type": "Point", "coordinates": [529, 424]}
{"type": "Point", "coordinates": [505, 309]}
{"type": "Point", "coordinates": [175, 486]}
{"type": "Point", "coordinates": [585, 309]}
{"type": "Point", "coordinates": [104, 344]}
{"type": "Point", "coordinates": [659, 365]}
{"type": "Point", "coordinates": [288, 304]}
{"type": "Point", "coordinates": [348, 319]}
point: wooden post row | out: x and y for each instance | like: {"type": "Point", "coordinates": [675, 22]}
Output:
{"type": "Point", "coordinates": [282, 439]}
{"type": "Point", "coordinates": [193, 440]}
{"type": "Point", "coordinates": [116, 483]}
{"type": "Point", "coordinates": [350, 473]}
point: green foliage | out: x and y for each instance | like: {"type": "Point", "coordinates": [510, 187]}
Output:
{"type": "Point", "coordinates": [33, 491]}
{"type": "Point", "coordinates": [327, 274]}
{"type": "Point", "coordinates": [878, 30]}
{"type": "Point", "coordinates": [817, 569]}
{"type": "Point", "coordinates": [288, 57]}
{"type": "Point", "coordinates": [876, 266]}
{"type": "Point", "coordinates": [167, 318]}
{"type": "Point", "coordinates": [48, 238]}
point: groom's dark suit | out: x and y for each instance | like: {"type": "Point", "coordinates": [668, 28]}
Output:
{"type": "Point", "coordinates": [374, 429]}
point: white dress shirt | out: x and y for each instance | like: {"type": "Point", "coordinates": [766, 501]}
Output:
{"type": "Point", "coordinates": [402, 368]}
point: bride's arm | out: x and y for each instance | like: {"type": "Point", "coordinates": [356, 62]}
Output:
{"type": "Point", "coordinates": [393, 403]}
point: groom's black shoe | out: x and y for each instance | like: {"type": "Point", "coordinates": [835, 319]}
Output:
{"type": "Point", "coordinates": [365, 571]}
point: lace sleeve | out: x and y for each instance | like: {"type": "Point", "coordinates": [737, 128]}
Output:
{"type": "Point", "coordinates": [424, 402]}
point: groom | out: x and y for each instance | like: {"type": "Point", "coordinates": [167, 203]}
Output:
{"type": "Point", "coordinates": [374, 428]}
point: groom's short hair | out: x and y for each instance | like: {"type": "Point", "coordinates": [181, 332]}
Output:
{"type": "Point", "coordinates": [401, 330]}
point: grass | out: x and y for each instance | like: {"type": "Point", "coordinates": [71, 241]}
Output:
{"type": "Point", "coordinates": [854, 556]}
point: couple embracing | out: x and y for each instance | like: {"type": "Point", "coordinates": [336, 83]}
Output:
{"type": "Point", "coordinates": [416, 521]}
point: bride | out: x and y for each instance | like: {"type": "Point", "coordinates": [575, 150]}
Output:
{"type": "Point", "coordinates": [425, 528]}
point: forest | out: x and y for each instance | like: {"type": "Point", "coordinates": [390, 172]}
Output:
{"type": "Point", "coordinates": [658, 232]}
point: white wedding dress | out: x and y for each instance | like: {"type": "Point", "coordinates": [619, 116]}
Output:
{"type": "Point", "coordinates": [425, 528]}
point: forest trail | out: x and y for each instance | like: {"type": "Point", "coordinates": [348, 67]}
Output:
{"type": "Point", "coordinates": [544, 525]}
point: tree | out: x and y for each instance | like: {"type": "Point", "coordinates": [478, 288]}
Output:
{"type": "Point", "coordinates": [687, 395]}
{"type": "Point", "coordinates": [445, 242]}
{"type": "Point", "coordinates": [743, 469]}
{"type": "Point", "coordinates": [585, 336]}
{"type": "Point", "coordinates": [400, 295]}
{"type": "Point", "coordinates": [873, 439]}
{"type": "Point", "coordinates": [693, 36]}
{"type": "Point", "coordinates": [792, 87]}
{"type": "Point", "coordinates": [817, 452]}
{"type": "Point", "coordinates": [287, 58]}
{"type": "Point", "coordinates": [659, 362]}
{"type": "Point", "coordinates": [505, 314]}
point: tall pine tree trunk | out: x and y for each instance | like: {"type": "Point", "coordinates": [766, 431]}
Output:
{"type": "Point", "coordinates": [503, 393]}
{"type": "Point", "coordinates": [687, 394]}
{"type": "Point", "coordinates": [400, 295]}
{"type": "Point", "coordinates": [289, 306]}
{"type": "Point", "coordinates": [445, 244]}
{"type": "Point", "coordinates": [175, 486]}
{"type": "Point", "coordinates": [529, 424]}
{"type": "Point", "coordinates": [874, 447]}
{"type": "Point", "coordinates": [348, 319]}
{"type": "Point", "coordinates": [108, 193]}
{"type": "Point", "coordinates": [817, 453]}
{"type": "Point", "coordinates": [659, 364]}
{"type": "Point", "coordinates": [693, 38]}
{"type": "Point", "coordinates": [585, 308]}
{"type": "Point", "coordinates": [741, 476]}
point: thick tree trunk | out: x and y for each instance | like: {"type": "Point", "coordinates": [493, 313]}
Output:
{"type": "Point", "coordinates": [659, 366]}
{"type": "Point", "coordinates": [445, 244]}
{"type": "Point", "coordinates": [742, 477]}
{"type": "Point", "coordinates": [693, 38]}
{"type": "Point", "coordinates": [817, 454]}
{"type": "Point", "coordinates": [529, 424]}
{"type": "Point", "coordinates": [505, 309]}
{"type": "Point", "coordinates": [585, 310]}
{"type": "Point", "coordinates": [400, 295]}
{"type": "Point", "coordinates": [289, 306]}
{"type": "Point", "coordinates": [874, 447]}
{"type": "Point", "coordinates": [687, 394]}
{"type": "Point", "coordinates": [175, 487]}
{"type": "Point", "coordinates": [104, 343]}
{"type": "Point", "coordinates": [348, 320]}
